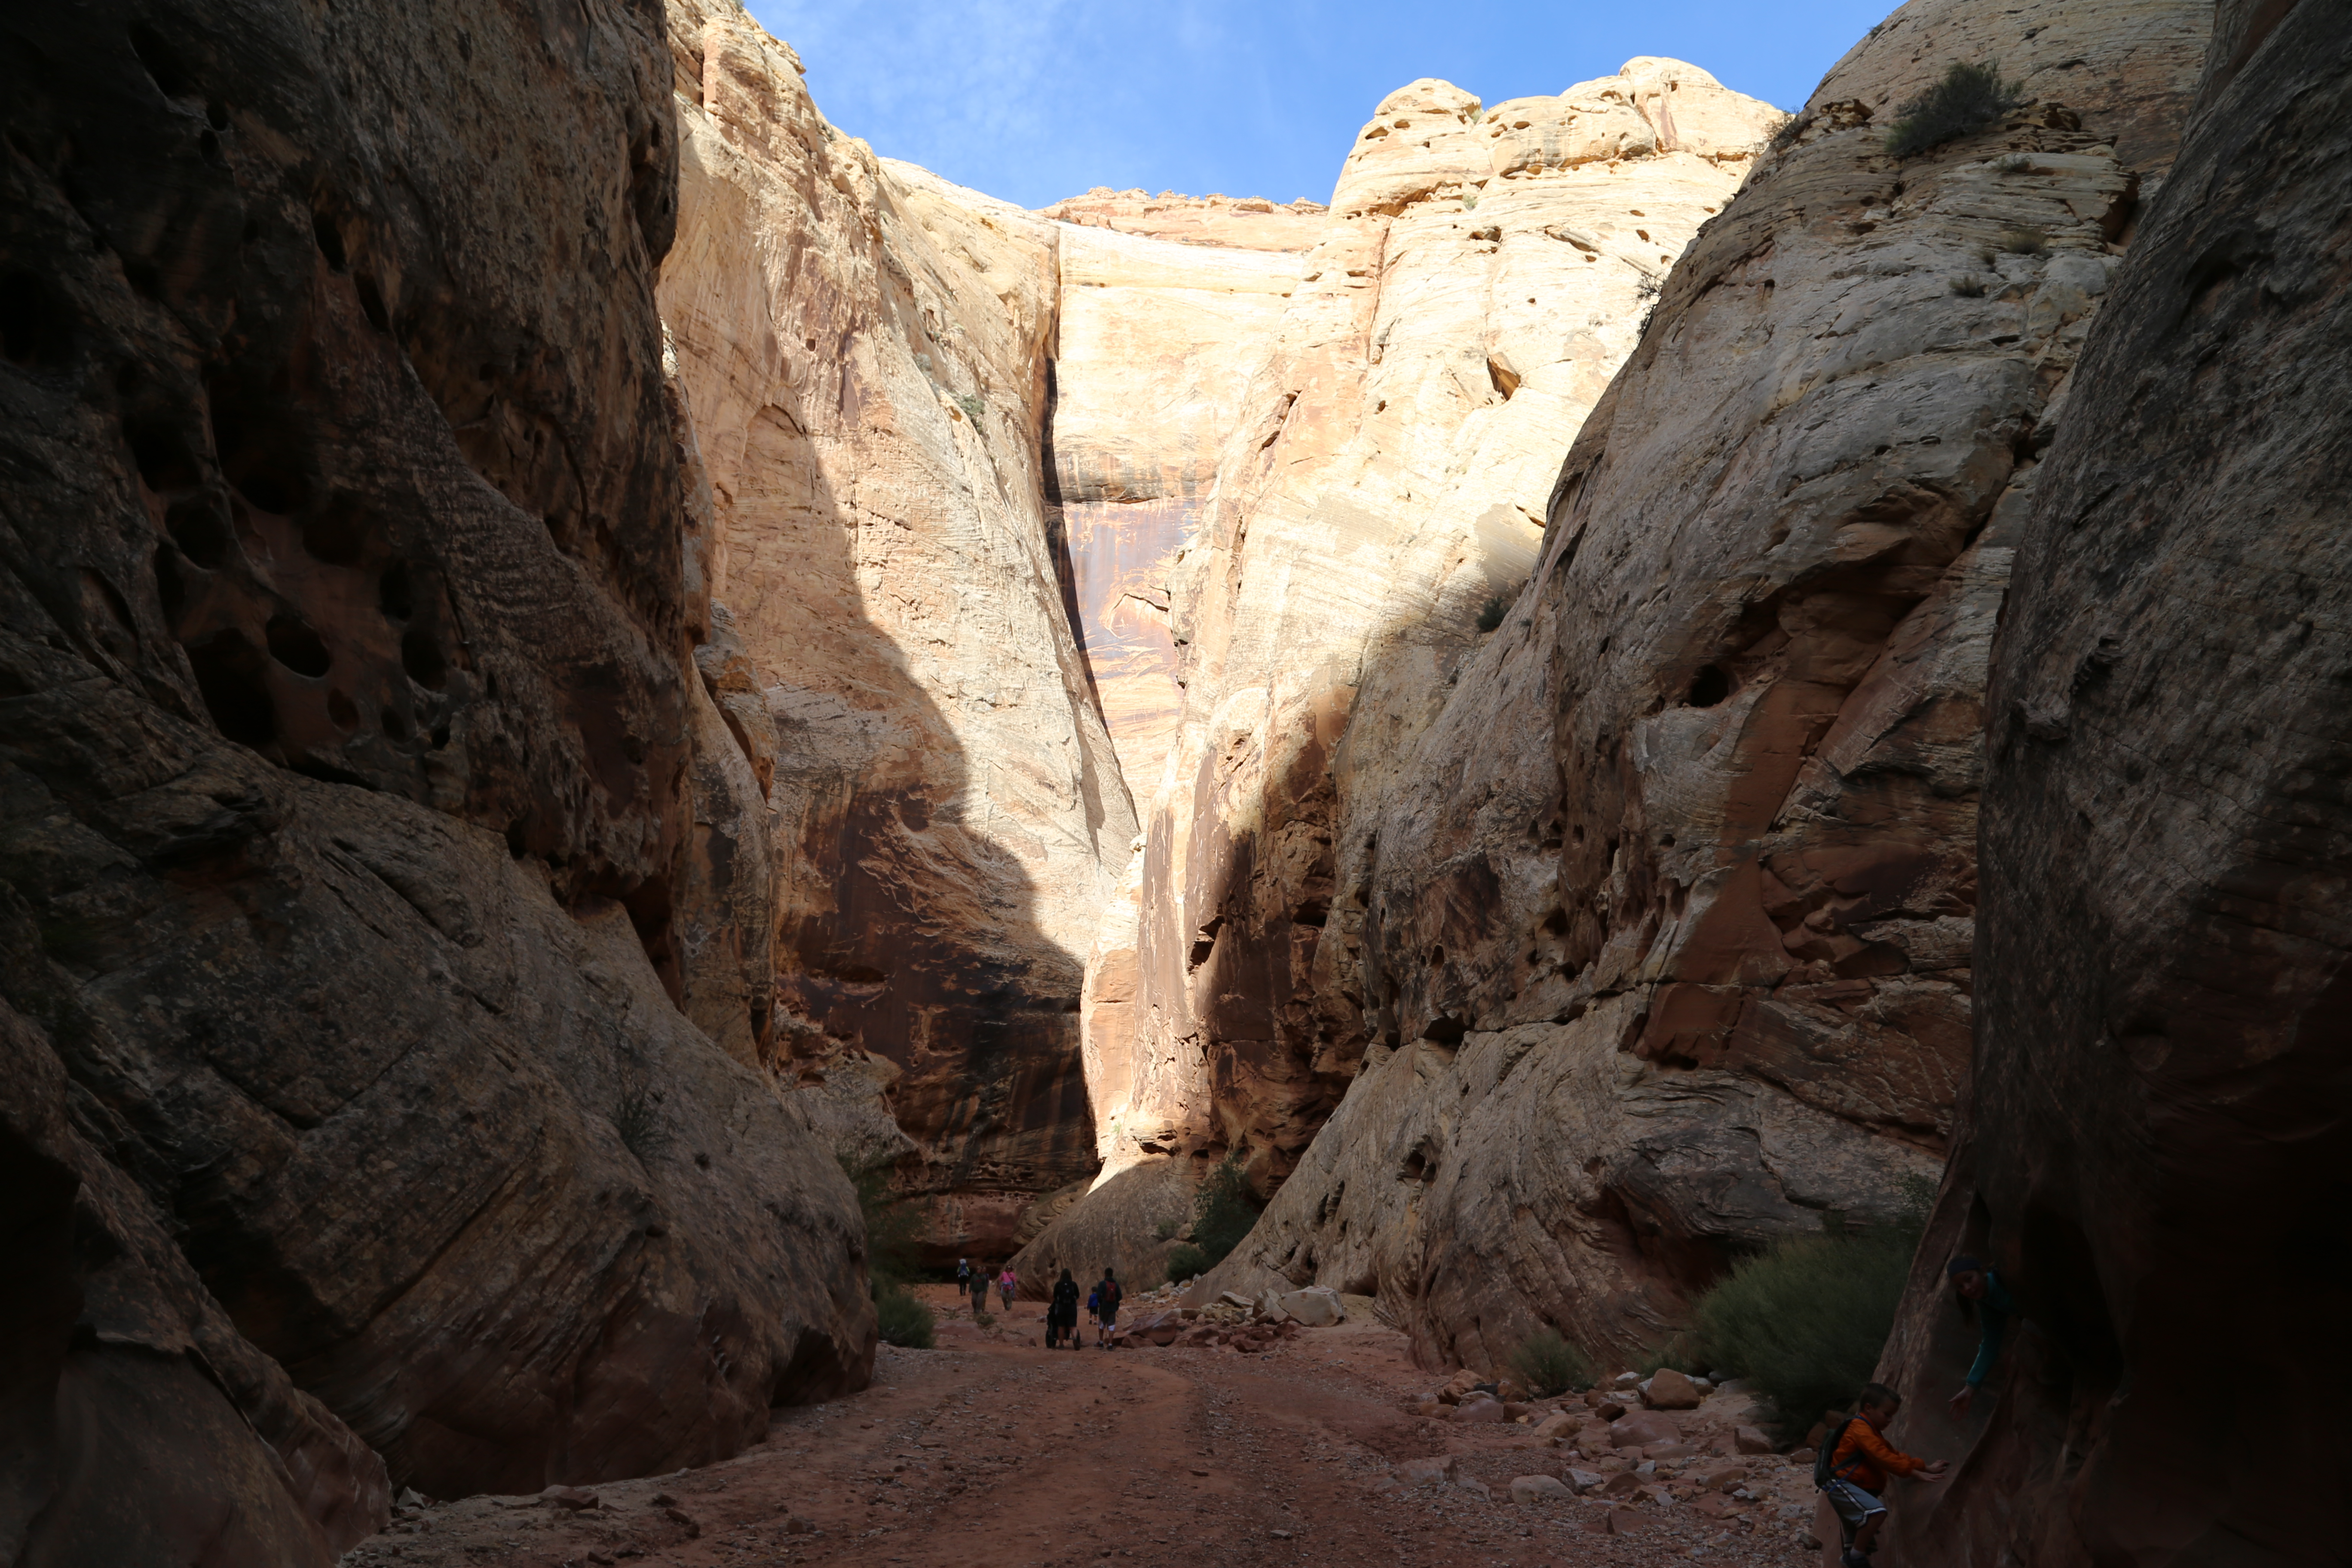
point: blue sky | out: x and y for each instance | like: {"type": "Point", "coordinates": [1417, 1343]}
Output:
{"type": "Point", "coordinates": [1036, 99]}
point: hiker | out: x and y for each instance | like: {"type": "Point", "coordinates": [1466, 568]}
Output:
{"type": "Point", "coordinates": [1094, 1306]}
{"type": "Point", "coordinates": [1981, 1295]}
{"type": "Point", "coordinates": [1063, 1316]}
{"type": "Point", "coordinates": [1851, 1466]}
{"type": "Point", "coordinates": [979, 1291]}
{"type": "Point", "coordinates": [1106, 1299]}
{"type": "Point", "coordinates": [1006, 1283]}
{"type": "Point", "coordinates": [963, 1276]}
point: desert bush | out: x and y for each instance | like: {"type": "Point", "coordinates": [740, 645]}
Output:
{"type": "Point", "coordinates": [1225, 1210]}
{"type": "Point", "coordinates": [1186, 1261]}
{"type": "Point", "coordinates": [636, 1117]}
{"type": "Point", "coordinates": [1968, 286]}
{"type": "Point", "coordinates": [1679, 1351]}
{"type": "Point", "coordinates": [1966, 98]}
{"type": "Point", "coordinates": [2025, 240]}
{"type": "Point", "coordinates": [971, 406]}
{"type": "Point", "coordinates": [902, 1318]}
{"type": "Point", "coordinates": [1806, 1318]}
{"type": "Point", "coordinates": [1549, 1365]}
{"type": "Point", "coordinates": [1167, 1230]}
{"type": "Point", "coordinates": [1785, 135]}
{"type": "Point", "coordinates": [1490, 614]}
{"type": "Point", "coordinates": [1469, 201]}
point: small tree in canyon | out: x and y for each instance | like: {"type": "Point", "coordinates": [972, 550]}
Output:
{"type": "Point", "coordinates": [894, 1230]}
{"type": "Point", "coordinates": [1223, 1212]}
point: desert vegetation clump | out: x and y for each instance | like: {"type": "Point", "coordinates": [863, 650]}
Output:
{"type": "Point", "coordinates": [1784, 136]}
{"type": "Point", "coordinates": [1806, 1318]}
{"type": "Point", "coordinates": [1491, 613]}
{"type": "Point", "coordinates": [1549, 1365]}
{"type": "Point", "coordinates": [2025, 240]}
{"type": "Point", "coordinates": [893, 1241]}
{"type": "Point", "coordinates": [1223, 1212]}
{"type": "Point", "coordinates": [1968, 286]}
{"type": "Point", "coordinates": [1966, 98]}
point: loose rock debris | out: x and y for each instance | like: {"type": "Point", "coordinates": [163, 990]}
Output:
{"type": "Point", "coordinates": [994, 1452]}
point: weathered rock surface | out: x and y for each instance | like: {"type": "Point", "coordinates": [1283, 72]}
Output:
{"type": "Point", "coordinates": [345, 735]}
{"type": "Point", "coordinates": [864, 350]}
{"type": "Point", "coordinates": [1479, 280]}
{"type": "Point", "coordinates": [2162, 996]}
{"type": "Point", "coordinates": [1663, 922]}
{"type": "Point", "coordinates": [1154, 345]}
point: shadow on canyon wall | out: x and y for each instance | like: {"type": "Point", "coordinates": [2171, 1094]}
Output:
{"type": "Point", "coordinates": [340, 797]}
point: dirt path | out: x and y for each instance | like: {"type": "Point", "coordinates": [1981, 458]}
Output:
{"type": "Point", "coordinates": [990, 1452]}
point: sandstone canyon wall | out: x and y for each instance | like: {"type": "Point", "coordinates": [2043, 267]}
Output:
{"type": "Point", "coordinates": [348, 772]}
{"type": "Point", "coordinates": [1480, 277]}
{"type": "Point", "coordinates": [2154, 1153]}
{"type": "Point", "coordinates": [1660, 923]}
{"type": "Point", "coordinates": [864, 349]}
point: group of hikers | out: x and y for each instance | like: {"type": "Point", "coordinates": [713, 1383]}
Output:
{"type": "Point", "coordinates": [1061, 1311]}
{"type": "Point", "coordinates": [1855, 1460]}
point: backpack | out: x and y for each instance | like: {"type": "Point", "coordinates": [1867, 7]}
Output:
{"type": "Point", "coordinates": [1111, 1294]}
{"type": "Point", "coordinates": [1825, 1456]}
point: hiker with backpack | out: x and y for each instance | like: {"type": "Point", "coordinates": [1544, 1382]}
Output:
{"type": "Point", "coordinates": [979, 1291]}
{"type": "Point", "coordinates": [1006, 1284]}
{"type": "Point", "coordinates": [1106, 1300]}
{"type": "Point", "coordinates": [1062, 1317]}
{"type": "Point", "coordinates": [1982, 1297]}
{"type": "Point", "coordinates": [1853, 1464]}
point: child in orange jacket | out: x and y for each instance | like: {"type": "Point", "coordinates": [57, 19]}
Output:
{"type": "Point", "coordinates": [1860, 1463]}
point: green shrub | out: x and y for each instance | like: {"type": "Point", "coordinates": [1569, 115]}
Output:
{"type": "Point", "coordinates": [1968, 286]}
{"type": "Point", "coordinates": [1469, 201]}
{"type": "Point", "coordinates": [904, 1320]}
{"type": "Point", "coordinates": [2025, 240]}
{"type": "Point", "coordinates": [1679, 1351]}
{"type": "Point", "coordinates": [894, 1226]}
{"type": "Point", "coordinates": [1490, 614]}
{"type": "Point", "coordinates": [1549, 1365]}
{"type": "Point", "coordinates": [1224, 1211]}
{"type": "Point", "coordinates": [1785, 135]}
{"type": "Point", "coordinates": [1806, 1318]}
{"type": "Point", "coordinates": [1167, 1230]}
{"type": "Point", "coordinates": [971, 406]}
{"type": "Point", "coordinates": [1966, 98]}
{"type": "Point", "coordinates": [1186, 1261]}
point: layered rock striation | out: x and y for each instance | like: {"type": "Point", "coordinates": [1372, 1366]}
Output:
{"type": "Point", "coordinates": [347, 796]}
{"type": "Point", "coordinates": [1481, 275]}
{"type": "Point", "coordinates": [1660, 919]}
{"type": "Point", "coordinates": [2160, 1088]}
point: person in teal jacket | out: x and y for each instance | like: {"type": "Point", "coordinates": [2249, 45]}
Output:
{"type": "Point", "coordinates": [1983, 1297]}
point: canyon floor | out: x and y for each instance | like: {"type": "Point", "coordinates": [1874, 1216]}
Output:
{"type": "Point", "coordinates": [992, 1452]}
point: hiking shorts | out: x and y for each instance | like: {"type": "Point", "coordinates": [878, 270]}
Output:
{"type": "Point", "coordinates": [1853, 1505]}
{"type": "Point", "coordinates": [1110, 1319]}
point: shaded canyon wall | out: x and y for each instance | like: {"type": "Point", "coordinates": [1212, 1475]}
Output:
{"type": "Point", "coordinates": [348, 764]}
{"type": "Point", "coordinates": [2161, 1116]}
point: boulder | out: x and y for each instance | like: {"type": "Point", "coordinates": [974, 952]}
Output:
{"type": "Point", "coordinates": [1479, 1408]}
{"type": "Point", "coordinates": [1670, 1390]}
{"type": "Point", "coordinates": [1540, 1488]}
{"type": "Point", "coordinates": [1317, 1306]}
{"type": "Point", "coordinates": [1438, 1471]}
{"type": "Point", "coordinates": [1640, 1428]}
{"type": "Point", "coordinates": [1623, 1484]}
{"type": "Point", "coordinates": [1557, 1429]}
{"type": "Point", "coordinates": [1752, 1440]}
{"type": "Point", "coordinates": [1583, 1481]}
{"type": "Point", "coordinates": [1717, 1477]}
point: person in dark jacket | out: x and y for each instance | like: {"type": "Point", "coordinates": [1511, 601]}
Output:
{"type": "Point", "coordinates": [1106, 1299]}
{"type": "Point", "coordinates": [1062, 1319]}
{"type": "Point", "coordinates": [1983, 1297]}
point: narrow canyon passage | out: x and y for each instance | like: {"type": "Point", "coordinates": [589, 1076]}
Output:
{"type": "Point", "coordinates": [992, 1452]}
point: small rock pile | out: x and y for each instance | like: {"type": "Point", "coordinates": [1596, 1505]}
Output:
{"type": "Point", "coordinates": [1234, 1320]}
{"type": "Point", "coordinates": [1666, 1441]}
